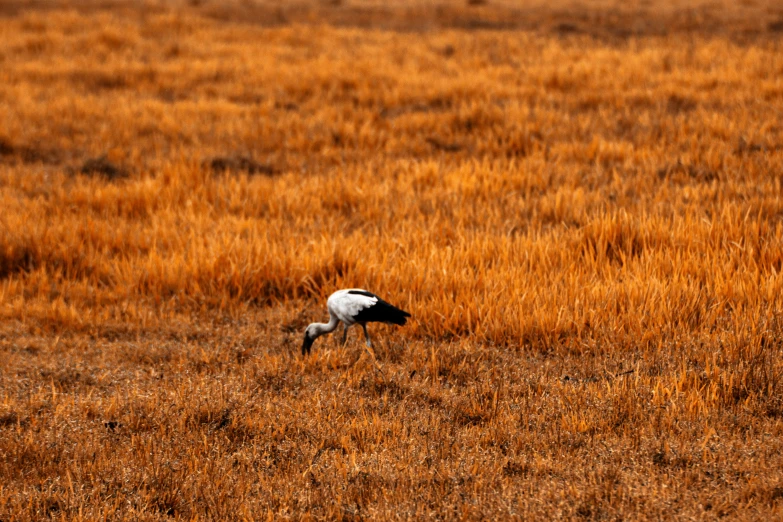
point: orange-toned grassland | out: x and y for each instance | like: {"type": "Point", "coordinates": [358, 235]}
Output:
{"type": "Point", "coordinates": [580, 204]}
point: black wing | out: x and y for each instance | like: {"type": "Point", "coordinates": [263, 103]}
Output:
{"type": "Point", "coordinates": [380, 312]}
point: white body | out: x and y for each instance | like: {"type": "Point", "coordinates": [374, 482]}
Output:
{"type": "Point", "coordinates": [345, 306]}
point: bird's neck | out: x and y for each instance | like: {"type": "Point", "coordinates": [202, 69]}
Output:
{"type": "Point", "coordinates": [325, 328]}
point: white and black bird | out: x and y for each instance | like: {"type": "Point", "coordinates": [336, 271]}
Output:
{"type": "Point", "coordinates": [354, 306]}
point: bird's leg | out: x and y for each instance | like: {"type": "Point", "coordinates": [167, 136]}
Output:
{"type": "Point", "coordinates": [345, 334]}
{"type": "Point", "coordinates": [369, 350]}
{"type": "Point", "coordinates": [366, 336]}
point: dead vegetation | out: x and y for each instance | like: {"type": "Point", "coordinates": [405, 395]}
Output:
{"type": "Point", "coordinates": [223, 164]}
{"type": "Point", "coordinates": [581, 208]}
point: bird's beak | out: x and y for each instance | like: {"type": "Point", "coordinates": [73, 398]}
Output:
{"type": "Point", "coordinates": [307, 344]}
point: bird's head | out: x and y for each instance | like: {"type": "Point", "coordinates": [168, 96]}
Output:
{"type": "Point", "coordinates": [309, 338]}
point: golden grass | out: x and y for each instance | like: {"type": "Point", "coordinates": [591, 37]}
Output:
{"type": "Point", "coordinates": [583, 214]}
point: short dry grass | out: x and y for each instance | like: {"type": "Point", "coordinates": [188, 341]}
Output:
{"type": "Point", "coordinates": [580, 207]}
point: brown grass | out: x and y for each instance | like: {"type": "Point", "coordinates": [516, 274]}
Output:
{"type": "Point", "coordinates": [580, 207]}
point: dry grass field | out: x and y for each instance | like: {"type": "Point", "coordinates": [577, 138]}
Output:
{"type": "Point", "coordinates": [580, 204]}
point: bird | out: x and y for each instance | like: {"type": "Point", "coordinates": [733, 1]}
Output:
{"type": "Point", "coordinates": [353, 306]}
